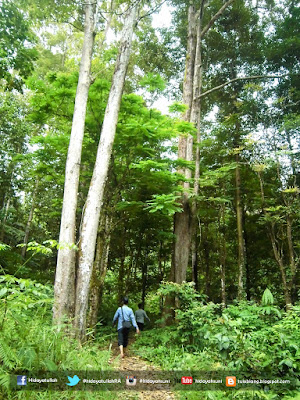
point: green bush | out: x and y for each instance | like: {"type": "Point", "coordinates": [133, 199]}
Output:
{"type": "Point", "coordinates": [29, 341]}
{"type": "Point", "coordinates": [255, 339]}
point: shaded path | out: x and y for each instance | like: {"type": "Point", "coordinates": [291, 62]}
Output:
{"type": "Point", "coordinates": [132, 362]}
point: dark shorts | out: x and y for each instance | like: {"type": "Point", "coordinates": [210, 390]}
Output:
{"type": "Point", "coordinates": [141, 326]}
{"type": "Point", "coordinates": [123, 336]}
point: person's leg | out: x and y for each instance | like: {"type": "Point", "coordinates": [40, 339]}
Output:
{"type": "Point", "coordinates": [125, 336]}
{"type": "Point", "coordinates": [121, 342]}
{"type": "Point", "coordinates": [141, 326]}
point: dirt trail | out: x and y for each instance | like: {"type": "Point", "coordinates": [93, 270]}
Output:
{"type": "Point", "coordinates": [132, 362]}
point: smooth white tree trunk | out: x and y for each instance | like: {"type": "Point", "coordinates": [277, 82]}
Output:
{"type": "Point", "coordinates": [64, 288]}
{"type": "Point", "coordinates": [92, 210]}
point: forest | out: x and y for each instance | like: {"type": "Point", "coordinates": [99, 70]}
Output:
{"type": "Point", "coordinates": [150, 149]}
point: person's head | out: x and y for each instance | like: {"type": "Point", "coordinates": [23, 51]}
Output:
{"type": "Point", "coordinates": [125, 300]}
{"type": "Point", "coordinates": [140, 305]}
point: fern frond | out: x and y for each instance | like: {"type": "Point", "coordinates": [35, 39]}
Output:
{"type": "Point", "coordinates": [6, 355]}
{"type": "Point", "coordinates": [267, 298]}
{"type": "Point", "coordinates": [5, 381]}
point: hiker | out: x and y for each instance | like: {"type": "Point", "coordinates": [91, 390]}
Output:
{"type": "Point", "coordinates": [140, 316]}
{"type": "Point", "coordinates": [125, 317]}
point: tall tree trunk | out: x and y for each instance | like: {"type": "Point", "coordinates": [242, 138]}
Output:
{"type": "Point", "coordinates": [195, 261]}
{"type": "Point", "coordinates": [196, 119]}
{"type": "Point", "coordinates": [222, 254]}
{"type": "Point", "coordinates": [144, 278]}
{"type": "Point", "coordinates": [276, 250]}
{"type": "Point", "coordinates": [30, 218]}
{"type": "Point", "coordinates": [279, 259]}
{"type": "Point", "coordinates": [223, 276]}
{"type": "Point", "coordinates": [292, 157]}
{"type": "Point", "coordinates": [191, 87]}
{"type": "Point", "coordinates": [182, 232]}
{"type": "Point", "coordinates": [137, 259]}
{"type": "Point", "coordinates": [182, 220]}
{"type": "Point", "coordinates": [240, 231]}
{"type": "Point", "coordinates": [207, 261]}
{"type": "Point", "coordinates": [121, 291]}
{"type": "Point", "coordinates": [64, 287]}
{"type": "Point", "coordinates": [99, 270]}
{"type": "Point", "coordinates": [292, 259]}
{"type": "Point", "coordinates": [2, 233]}
{"type": "Point", "coordinates": [247, 267]}
{"type": "Point", "coordinates": [7, 183]}
{"type": "Point", "coordinates": [289, 221]}
{"type": "Point", "coordinates": [293, 265]}
{"type": "Point", "coordinates": [191, 93]}
{"type": "Point", "coordinates": [95, 195]}
{"type": "Point", "coordinates": [160, 267]}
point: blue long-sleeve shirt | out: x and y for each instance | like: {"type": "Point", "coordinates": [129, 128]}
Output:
{"type": "Point", "coordinates": [128, 316]}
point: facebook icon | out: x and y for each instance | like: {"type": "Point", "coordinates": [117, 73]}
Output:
{"type": "Point", "coordinates": [21, 380]}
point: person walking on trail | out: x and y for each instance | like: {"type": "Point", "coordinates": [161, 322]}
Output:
{"type": "Point", "coordinates": [125, 317]}
{"type": "Point", "coordinates": [140, 316]}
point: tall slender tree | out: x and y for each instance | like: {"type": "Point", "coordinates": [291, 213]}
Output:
{"type": "Point", "coordinates": [183, 226]}
{"type": "Point", "coordinates": [93, 204]}
{"type": "Point", "coordinates": [64, 288]}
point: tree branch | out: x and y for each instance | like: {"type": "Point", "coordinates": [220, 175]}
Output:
{"type": "Point", "coordinates": [240, 79]}
{"type": "Point", "coordinates": [152, 11]}
{"type": "Point", "coordinates": [74, 26]}
{"type": "Point", "coordinates": [215, 17]}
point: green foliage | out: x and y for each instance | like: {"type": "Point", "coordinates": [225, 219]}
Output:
{"type": "Point", "coordinates": [185, 293]}
{"type": "Point", "coordinates": [166, 204]}
{"type": "Point", "coordinates": [267, 299]}
{"type": "Point", "coordinates": [240, 337]}
{"type": "Point", "coordinates": [4, 246]}
{"type": "Point", "coordinates": [153, 82]}
{"type": "Point", "coordinates": [16, 52]}
{"type": "Point", "coordinates": [177, 107]}
{"type": "Point", "coordinates": [37, 248]}
{"type": "Point", "coordinates": [23, 294]}
{"type": "Point", "coordinates": [29, 342]}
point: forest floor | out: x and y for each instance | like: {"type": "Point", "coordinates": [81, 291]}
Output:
{"type": "Point", "coordinates": [131, 362]}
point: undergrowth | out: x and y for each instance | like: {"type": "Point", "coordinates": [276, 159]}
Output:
{"type": "Point", "coordinates": [248, 337]}
{"type": "Point", "coordinates": [29, 341]}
